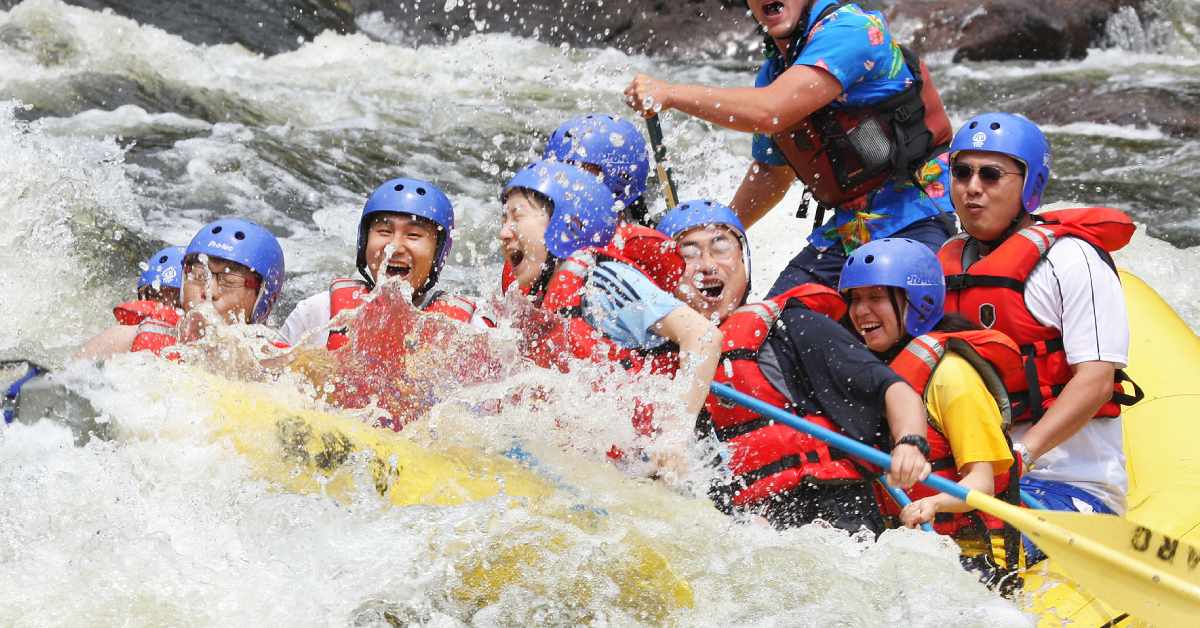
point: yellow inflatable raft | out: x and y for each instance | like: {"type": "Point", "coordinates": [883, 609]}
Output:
{"type": "Point", "coordinates": [315, 452]}
{"type": "Point", "coordinates": [308, 451]}
{"type": "Point", "coordinates": [1162, 434]}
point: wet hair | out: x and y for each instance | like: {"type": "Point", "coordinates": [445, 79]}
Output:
{"type": "Point", "coordinates": [952, 322]}
{"type": "Point", "coordinates": [636, 213]}
{"type": "Point", "coordinates": [381, 216]}
{"type": "Point", "coordinates": [539, 200]}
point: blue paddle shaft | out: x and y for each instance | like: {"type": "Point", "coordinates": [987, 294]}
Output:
{"type": "Point", "coordinates": [848, 445]}
{"type": "Point", "coordinates": [902, 499]}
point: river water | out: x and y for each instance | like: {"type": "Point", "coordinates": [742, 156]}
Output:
{"type": "Point", "coordinates": [117, 138]}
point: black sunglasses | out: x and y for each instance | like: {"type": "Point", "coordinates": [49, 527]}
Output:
{"type": "Point", "coordinates": [988, 174]}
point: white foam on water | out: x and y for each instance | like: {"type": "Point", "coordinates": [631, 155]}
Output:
{"type": "Point", "coordinates": [54, 193]}
{"type": "Point", "coordinates": [167, 525]}
{"type": "Point", "coordinates": [121, 121]}
{"type": "Point", "coordinates": [1113, 131]}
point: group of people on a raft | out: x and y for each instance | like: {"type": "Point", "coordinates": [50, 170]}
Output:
{"type": "Point", "coordinates": [991, 356]}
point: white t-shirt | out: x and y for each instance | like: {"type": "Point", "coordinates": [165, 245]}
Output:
{"type": "Point", "coordinates": [308, 324]}
{"type": "Point", "coordinates": [1076, 292]}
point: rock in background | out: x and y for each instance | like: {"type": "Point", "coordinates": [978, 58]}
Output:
{"type": "Point", "coordinates": [987, 30]}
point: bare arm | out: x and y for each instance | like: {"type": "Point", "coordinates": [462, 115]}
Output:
{"type": "Point", "coordinates": [761, 190]}
{"type": "Point", "coordinates": [905, 415]}
{"type": "Point", "coordinates": [114, 340]}
{"type": "Point", "coordinates": [699, 351]}
{"type": "Point", "coordinates": [976, 476]}
{"type": "Point", "coordinates": [792, 97]}
{"type": "Point", "coordinates": [1090, 387]}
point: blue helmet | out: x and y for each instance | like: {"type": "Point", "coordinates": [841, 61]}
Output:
{"type": "Point", "coordinates": [904, 264]}
{"type": "Point", "coordinates": [416, 198]}
{"type": "Point", "coordinates": [164, 269]}
{"type": "Point", "coordinates": [1015, 136]}
{"type": "Point", "coordinates": [699, 213]}
{"type": "Point", "coordinates": [691, 214]}
{"type": "Point", "coordinates": [248, 244]}
{"type": "Point", "coordinates": [584, 212]}
{"type": "Point", "coordinates": [610, 142]}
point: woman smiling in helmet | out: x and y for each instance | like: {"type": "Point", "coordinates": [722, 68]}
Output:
{"type": "Point", "coordinates": [406, 232]}
{"type": "Point", "coordinates": [896, 293]}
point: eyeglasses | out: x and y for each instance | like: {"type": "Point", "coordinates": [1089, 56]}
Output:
{"type": "Point", "coordinates": [988, 174]}
{"type": "Point", "coordinates": [225, 280]}
{"type": "Point", "coordinates": [720, 248]}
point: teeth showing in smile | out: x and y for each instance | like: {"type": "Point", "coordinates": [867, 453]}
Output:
{"type": "Point", "coordinates": [866, 329]}
{"type": "Point", "coordinates": [394, 270]}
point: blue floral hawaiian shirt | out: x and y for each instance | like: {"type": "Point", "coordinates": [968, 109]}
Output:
{"type": "Point", "coordinates": [856, 47]}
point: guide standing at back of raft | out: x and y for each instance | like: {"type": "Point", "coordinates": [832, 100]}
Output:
{"type": "Point", "coordinates": [841, 106]}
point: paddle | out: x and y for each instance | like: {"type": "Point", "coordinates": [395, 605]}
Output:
{"type": "Point", "coordinates": [1143, 572]}
{"type": "Point", "coordinates": [901, 498]}
{"type": "Point", "coordinates": [654, 127]}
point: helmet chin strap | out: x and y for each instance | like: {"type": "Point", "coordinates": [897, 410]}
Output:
{"type": "Point", "coordinates": [543, 280]}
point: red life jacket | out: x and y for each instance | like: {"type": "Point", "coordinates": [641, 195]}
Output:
{"type": "Point", "coordinates": [134, 312]}
{"type": "Point", "coordinates": [653, 254]}
{"type": "Point", "coordinates": [506, 277]}
{"type": "Point", "coordinates": [637, 243]}
{"type": "Point", "coordinates": [991, 291]}
{"type": "Point", "coordinates": [843, 153]}
{"type": "Point", "coordinates": [347, 294]}
{"type": "Point", "coordinates": [155, 336]}
{"type": "Point", "coordinates": [998, 362]}
{"type": "Point", "coordinates": [649, 251]}
{"type": "Point", "coordinates": [768, 458]}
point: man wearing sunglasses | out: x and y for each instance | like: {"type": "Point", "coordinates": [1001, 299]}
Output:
{"type": "Point", "coordinates": [841, 106]}
{"type": "Point", "coordinates": [233, 273]}
{"type": "Point", "coordinates": [1046, 280]}
{"type": "Point", "coordinates": [790, 351]}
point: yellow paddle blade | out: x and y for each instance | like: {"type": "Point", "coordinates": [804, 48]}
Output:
{"type": "Point", "coordinates": [1142, 572]}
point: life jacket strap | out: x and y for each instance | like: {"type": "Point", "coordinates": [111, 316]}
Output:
{"type": "Point", "coordinates": [943, 464]}
{"type": "Point", "coordinates": [734, 355]}
{"type": "Point", "coordinates": [964, 281]}
{"type": "Point", "coordinates": [783, 464]}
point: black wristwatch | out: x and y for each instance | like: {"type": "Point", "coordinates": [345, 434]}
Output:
{"type": "Point", "coordinates": [917, 441]}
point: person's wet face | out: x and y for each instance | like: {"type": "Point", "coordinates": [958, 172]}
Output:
{"type": "Point", "coordinates": [875, 318]}
{"type": "Point", "coordinates": [715, 277]}
{"type": "Point", "coordinates": [986, 190]}
{"type": "Point", "coordinates": [779, 18]}
{"type": "Point", "coordinates": [523, 235]}
{"type": "Point", "coordinates": [412, 252]}
{"type": "Point", "coordinates": [232, 288]}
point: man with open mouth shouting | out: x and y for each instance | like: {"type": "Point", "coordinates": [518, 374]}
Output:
{"type": "Point", "coordinates": [790, 351]}
{"type": "Point", "coordinates": [405, 232]}
{"type": "Point", "coordinates": [841, 106]}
